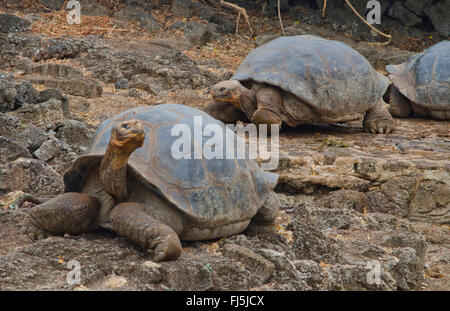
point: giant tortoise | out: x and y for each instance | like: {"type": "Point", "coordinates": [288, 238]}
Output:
{"type": "Point", "coordinates": [421, 85]}
{"type": "Point", "coordinates": [304, 79]}
{"type": "Point", "coordinates": [129, 182]}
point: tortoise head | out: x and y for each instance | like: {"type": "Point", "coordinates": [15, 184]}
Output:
{"type": "Point", "coordinates": [227, 91]}
{"type": "Point", "coordinates": [128, 135]}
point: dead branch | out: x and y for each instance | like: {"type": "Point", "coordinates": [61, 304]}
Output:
{"type": "Point", "coordinates": [361, 18]}
{"type": "Point", "coordinates": [279, 17]}
{"type": "Point", "coordinates": [241, 11]}
{"type": "Point", "coordinates": [324, 7]}
{"type": "Point", "coordinates": [365, 22]}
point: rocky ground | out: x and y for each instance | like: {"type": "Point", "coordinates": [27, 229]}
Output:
{"type": "Point", "coordinates": [354, 205]}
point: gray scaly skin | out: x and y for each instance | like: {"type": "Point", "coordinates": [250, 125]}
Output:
{"type": "Point", "coordinates": [75, 213]}
{"type": "Point", "coordinates": [262, 104]}
{"type": "Point", "coordinates": [108, 192]}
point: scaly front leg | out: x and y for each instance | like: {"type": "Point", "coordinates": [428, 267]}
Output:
{"type": "Point", "coordinates": [130, 220]}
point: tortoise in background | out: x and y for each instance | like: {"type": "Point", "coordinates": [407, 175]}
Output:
{"type": "Point", "coordinates": [304, 79]}
{"type": "Point", "coordinates": [129, 182]}
{"type": "Point", "coordinates": [421, 85]}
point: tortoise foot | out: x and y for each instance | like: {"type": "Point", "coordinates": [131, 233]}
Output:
{"type": "Point", "coordinates": [258, 228]}
{"type": "Point", "coordinates": [34, 232]}
{"type": "Point", "coordinates": [265, 116]}
{"type": "Point", "coordinates": [378, 120]}
{"type": "Point", "coordinates": [130, 220]}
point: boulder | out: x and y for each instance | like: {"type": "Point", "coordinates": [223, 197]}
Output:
{"type": "Point", "coordinates": [311, 243]}
{"type": "Point", "coordinates": [439, 14]}
{"type": "Point", "coordinates": [31, 176]}
{"type": "Point", "coordinates": [256, 264]}
{"type": "Point", "coordinates": [11, 150]}
{"type": "Point", "coordinates": [137, 11]}
{"type": "Point", "coordinates": [8, 93]}
{"type": "Point", "coordinates": [409, 270]}
{"type": "Point", "coordinates": [417, 6]}
{"type": "Point", "coordinates": [47, 94]}
{"type": "Point", "coordinates": [76, 134]}
{"type": "Point", "coordinates": [26, 94]}
{"type": "Point", "coordinates": [195, 276]}
{"type": "Point", "coordinates": [401, 239]}
{"type": "Point", "coordinates": [12, 23]}
{"type": "Point", "coordinates": [398, 11]}
{"type": "Point", "coordinates": [122, 84]}
{"type": "Point", "coordinates": [33, 137]}
{"type": "Point", "coordinates": [199, 33]}
{"type": "Point", "coordinates": [47, 150]}
{"type": "Point", "coordinates": [181, 8]}
{"type": "Point", "coordinates": [53, 4]}
{"type": "Point", "coordinates": [47, 115]}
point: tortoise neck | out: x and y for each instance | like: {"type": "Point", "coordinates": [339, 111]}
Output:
{"type": "Point", "coordinates": [113, 171]}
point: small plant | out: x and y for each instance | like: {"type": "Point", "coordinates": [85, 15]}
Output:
{"type": "Point", "coordinates": [209, 268]}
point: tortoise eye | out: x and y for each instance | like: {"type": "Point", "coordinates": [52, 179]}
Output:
{"type": "Point", "coordinates": [126, 126]}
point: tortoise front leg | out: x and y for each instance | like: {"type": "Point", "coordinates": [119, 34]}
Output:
{"type": "Point", "coordinates": [223, 111]}
{"type": "Point", "coordinates": [269, 101]}
{"type": "Point", "coordinates": [71, 213]}
{"type": "Point", "coordinates": [399, 105]}
{"type": "Point", "coordinates": [130, 220]}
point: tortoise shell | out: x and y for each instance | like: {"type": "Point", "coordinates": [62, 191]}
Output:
{"type": "Point", "coordinates": [329, 76]}
{"type": "Point", "coordinates": [425, 77]}
{"type": "Point", "coordinates": [207, 189]}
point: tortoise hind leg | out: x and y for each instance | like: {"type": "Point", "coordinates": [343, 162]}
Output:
{"type": "Point", "coordinates": [265, 220]}
{"type": "Point", "coordinates": [399, 105]}
{"type": "Point", "coordinates": [130, 220]}
{"type": "Point", "coordinates": [71, 213]}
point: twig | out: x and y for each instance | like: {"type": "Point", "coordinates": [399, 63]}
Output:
{"type": "Point", "coordinates": [238, 18]}
{"type": "Point", "coordinates": [109, 33]}
{"type": "Point", "coordinates": [63, 6]}
{"type": "Point", "coordinates": [239, 9]}
{"type": "Point", "coordinates": [365, 22]}
{"type": "Point", "coordinates": [281, 21]}
{"type": "Point", "coordinates": [263, 9]}
{"type": "Point", "coordinates": [380, 43]}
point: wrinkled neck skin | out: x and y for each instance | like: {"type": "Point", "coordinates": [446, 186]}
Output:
{"type": "Point", "coordinates": [246, 101]}
{"type": "Point", "coordinates": [113, 171]}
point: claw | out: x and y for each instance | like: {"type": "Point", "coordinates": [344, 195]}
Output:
{"type": "Point", "coordinates": [34, 232]}
{"type": "Point", "coordinates": [168, 249]}
{"type": "Point", "coordinates": [158, 257]}
{"type": "Point", "coordinates": [380, 130]}
{"type": "Point", "coordinates": [373, 130]}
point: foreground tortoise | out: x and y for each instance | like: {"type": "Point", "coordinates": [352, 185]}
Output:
{"type": "Point", "coordinates": [129, 182]}
{"type": "Point", "coordinates": [421, 85]}
{"type": "Point", "coordinates": [304, 79]}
